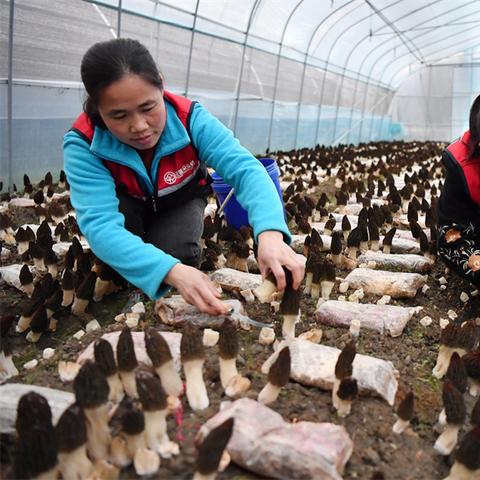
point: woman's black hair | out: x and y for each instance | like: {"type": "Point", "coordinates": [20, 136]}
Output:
{"type": "Point", "coordinates": [474, 127]}
{"type": "Point", "coordinates": [106, 62]}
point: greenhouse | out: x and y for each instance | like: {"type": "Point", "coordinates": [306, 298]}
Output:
{"type": "Point", "coordinates": [240, 239]}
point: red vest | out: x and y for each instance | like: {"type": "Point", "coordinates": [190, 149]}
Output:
{"type": "Point", "coordinates": [180, 176]}
{"type": "Point", "coordinates": [470, 166]}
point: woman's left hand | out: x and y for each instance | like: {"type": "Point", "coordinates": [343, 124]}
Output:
{"type": "Point", "coordinates": [273, 254]}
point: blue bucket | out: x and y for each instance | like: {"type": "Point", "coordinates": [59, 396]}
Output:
{"type": "Point", "coordinates": [235, 214]}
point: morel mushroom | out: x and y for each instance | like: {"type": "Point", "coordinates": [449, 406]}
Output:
{"type": "Point", "coordinates": [405, 412]}
{"type": "Point", "coordinates": [278, 376]}
{"type": "Point", "coordinates": [228, 351]}
{"type": "Point", "coordinates": [105, 359]}
{"type": "Point", "coordinates": [127, 362]}
{"type": "Point", "coordinates": [467, 458]}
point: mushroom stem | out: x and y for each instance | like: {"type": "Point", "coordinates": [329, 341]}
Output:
{"type": "Point", "coordinates": [268, 394]}
{"type": "Point", "coordinates": [308, 283]}
{"type": "Point", "coordinates": [447, 441]}
{"type": "Point", "coordinates": [327, 288]}
{"type": "Point", "coordinates": [75, 465]}
{"type": "Point", "coordinates": [208, 476]}
{"type": "Point", "coordinates": [116, 388]}
{"type": "Point", "coordinates": [27, 289]}
{"type": "Point", "coordinates": [443, 360]}
{"type": "Point", "coordinates": [101, 289]}
{"type": "Point", "coordinates": [400, 426]}
{"type": "Point", "coordinates": [7, 367]}
{"type": "Point", "coordinates": [98, 432]}
{"type": "Point", "coordinates": [135, 442]}
{"type": "Point", "coordinates": [288, 326]}
{"type": "Point", "coordinates": [343, 407]}
{"type": "Point", "coordinates": [156, 429]}
{"type": "Point", "coordinates": [23, 323]}
{"type": "Point", "coordinates": [171, 381]}
{"type": "Point", "coordinates": [51, 474]}
{"type": "Point", "coordinates": [52, 270]}
{"type": "Point", "coordinates": [22, 247]}
{"type": "Point", "coordinates": [335, 399]}
{"type": "Point", "coordinates": [195, 386]}
{"type": "Point", "coordinates": [33, 337]}
{"type": "Point", "coordinates": [39, 264]}
{"type": "Point", "coordinates": [461, 472]}
{"type": "Point", "coordinates": [352, 253]}
{"type": "Point", "coordinates": [79, 306]}
{"type": "Point", "coordinates": [386, 249]}
{"type": "Point", "coordinates": [228, 370]}
{"type": "Point", "coordinates": [315, 291]}
{"type": "Point", "coordinates": [374, 245]}
{"type": "Point", "coordinates": [67, 297]}
{"type": "Point", "coordinates": [129, 383]}
{"type": "Point", "coordinates": [442, 418]}
{"type": "Point", "coordinates": [265, 291]}
{"type": "Point", "coordinates": [474, 388]}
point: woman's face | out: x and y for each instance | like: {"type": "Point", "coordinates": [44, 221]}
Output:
{"type": "Point", "coordinates": [134, 111]}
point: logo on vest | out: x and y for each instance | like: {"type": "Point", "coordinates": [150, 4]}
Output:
{"type": "Point", "coordinates": [172, 177]}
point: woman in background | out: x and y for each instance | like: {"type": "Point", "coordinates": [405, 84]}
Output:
{"type": "Point", "coordinates": [136, 161]}
{"type": "Point", "coordinates": [459, 203]}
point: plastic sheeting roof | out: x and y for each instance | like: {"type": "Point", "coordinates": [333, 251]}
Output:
{"type": "Point", "coordinates": [379, 40]}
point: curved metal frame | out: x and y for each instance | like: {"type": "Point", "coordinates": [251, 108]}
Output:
{"type": "Point", "coordinates": [277, 69]}
{"type": "Point", "coordinates": [240, 74]}
{"type": "Point", "coordinates": [189, 62]}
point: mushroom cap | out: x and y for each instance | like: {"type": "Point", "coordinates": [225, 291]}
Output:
{"type": "Point", "coordinates": [290, 304]}
{"type": "Point", "coordinates": [475, 416]}
{"type": "Point", "coordinates": [228, 340]}
{"type": "Point", "coordinates": [212, 447]}
{"type": "Point", "coordinates": [353, 239]}
{"type": "Point", "coordinates": [279, 372]}
{"type": "Point", "coordinates": [348, 389]}
{"type": "Point", "coordinates": [133, 419]}
{"type": "Point", "coordinates": [25, 275]}
{"type": "Point", "coordinates": [457, 373]}
{"type": "Point", "coordinates": [157, 347]}
{"type": "Point", "coordinates": [468, 452]}
{"type": "Point", "coordinates": [67, 280]}
{"type": "Point", "coordinates": [86, 288]}
{"type": "Point", "coordinates": [406, 407]}
{"type": "Point", "coordinates": [71, 429]}
{"type": "Point", "coordinates": [453, 403]}
{"type": "Point", "coordinates": [40, 320]}
{"type": "Point", "coordinates": [90, 386]}
{"type": "Point", "coordinates": [21, 235]}
{"type": "Point", "coordinates": [336, 246]}
{"type": "Point", "coordinates": [104, 357]}
{"type": "Point", "coordinates": [191, 344]}
{"type": "Point", "coordinates": [471, 360]}
{"type": "Point", "coordinates": [33, 410]}
{"type": "Point", "coordinates": [150, 391]}
{"type": "Point", "coordinates": [126, 358]}
{"type": "Point", "coordinates": [344, 365]}
{"type": "Point", "coordinates": [346, 225]}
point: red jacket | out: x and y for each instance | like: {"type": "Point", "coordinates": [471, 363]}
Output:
{"type": "Point", "coordinates": [180, 175]}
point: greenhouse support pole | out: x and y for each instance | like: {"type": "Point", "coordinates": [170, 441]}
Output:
{"type": "Point", "coordinates": [189, 63]}
{"type": "Point", "coordinates": [240, 74]}
{"type": "Point", "coordinates": [119, 19]}
{"type": "Point", "coordinates": [277, 69]}
{"type": "Point", "coordinates": [10, 97]}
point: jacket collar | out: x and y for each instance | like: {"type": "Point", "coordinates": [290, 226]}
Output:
{"type": "Point", "coordinates": [466, 137]}
{"type": "Point", "coordinates": [174, 137]}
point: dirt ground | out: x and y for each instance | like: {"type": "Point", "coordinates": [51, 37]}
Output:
{"type": "Point", "coordinates": [378, 453]}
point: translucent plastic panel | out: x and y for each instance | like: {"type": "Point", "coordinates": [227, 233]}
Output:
{"type": "Point", "coordinates": [228, 13]}
{"type": "Point", "coordinates": [290, 75]}
{"type": "Point", "coordinates": [4, 25]}
{"type": "Point", "coordinates": [259, 74]}
{"type": "Point", "coordinates": [50, 38]}
{"type": "Point", "coordinates": [168, 45]}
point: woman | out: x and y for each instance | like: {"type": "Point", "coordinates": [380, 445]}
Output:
{"type": "Point", "coordinates": [136, 162]}
{"type": "Point", "coordinates": [459, 203]}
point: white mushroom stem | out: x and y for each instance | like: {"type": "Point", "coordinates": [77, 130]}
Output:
{"type": "Point", "coordinates": [51, 474]}
{"type": "Point", "coordinates": [447, 441]}
{"type": "Point", "coordinates": [386, 249]}
{"type": "Point", "coordinates": [119, 452]}
{"type": "Point", "coordinates": [67, 298]}
{"type": "Point", "coordinates": [315, 291]}
{"type": "Point", "coordinates": [374, 245]}
{"type": "Point", "coordinates": [101, 289]}
{"type": "Point", "coordinates": [75, 465]}
{"type": "Point", "coordinates": [8, 236]}
{"type": "Point", "coordinates": [23, 323]}
{"type": "Point", "coordinates": [363, 246]}
{"type": "Point", "coordinates": [327, 288]}
{"type": "Point", "coordinates": [442, 418]}
{"type": "Point", "coordinates": [52, 325]}
{"type": "Point", "coordinates": [156, 429]}
{"type": "Point", "coordinates": [27, 289]}
{"type": "Point", "coordinates": [195, 386]}
{"type": "Point", "coordinates": [129, 384]}
{"type": "Point", "coordinates": [7, 367]}
{"type": "Point", "coordinates": [400, 426]}
{"type": "Point", "coordinates": [265, 291]}
{"type": "Point", "coordinates": [39, 264]}
{"type": "Point", "coordinates": [337, 259]}
{"type": "Point", "coordinates": [116, 388]}
{"type": "Point", "coordinates": [443, 360]}
{"type": "Point", "coordinates": [461, 472]}
{"type": "Point", "coordinates": [79, 306]}
{"type": "Point", "coordinates": [52, 270]}
{"type": "Point", "coordinates": [98, 432]}
{"type": "Point", "coordinates": [268, 394]}
{"type": "Point", "coordinates": [22, 247]}
{"type": "Point", "coordinates": [352, 253]}
{"type": "Point", "coordinates": [288, 325]}
{"type": "Point", "coordinates": [135, 442]}
{"type": "Point", "coordinates": [237, 386]}
{"type": "Point", "coordinates": [474, 388]}
{"type": "Point", "coordinates": [33, 337]}
{"type": "Point", "coordinates": [327, 231]}
{"type": "Point", "coordinates": [308, 282]}
{"type": "Point", "coordinates": [343, 407]}
{"type": "Point", "coordinates": [228, 370]}
{"type": "Point", "coordinates": [171, 381]}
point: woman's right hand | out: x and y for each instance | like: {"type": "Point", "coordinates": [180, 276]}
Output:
{"type": "Point", "coordinates": [197, 289]}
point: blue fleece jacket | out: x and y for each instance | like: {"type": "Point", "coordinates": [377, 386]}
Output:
{"type": "Point", "coordinates": [92, 191]}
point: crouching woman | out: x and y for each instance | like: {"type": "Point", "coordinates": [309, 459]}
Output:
{"type": "Point", "coordinates": [136, 160]}
{"type": "Point", "coordinates": [459, 203]}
